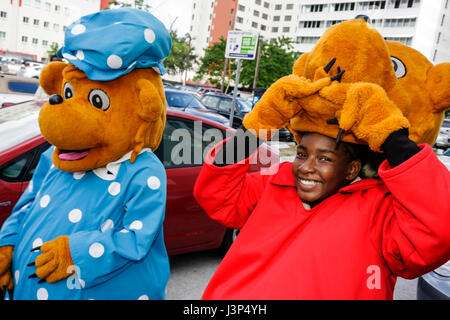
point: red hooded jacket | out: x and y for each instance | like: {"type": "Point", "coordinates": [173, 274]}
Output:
{"type": "Point", "coordinates": [352, 245]}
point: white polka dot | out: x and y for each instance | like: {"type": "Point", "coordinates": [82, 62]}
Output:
{"type": "Point", "coordinates": [37, 243]}
{"type": "Point", "coordinates": [124, 231]}
{"type": "Point", "coordinates": [17, 276]}
{"type": "Point", "coordinates": [136, 225]}
{"type": "Point", "coordinates": [153, 183]}
{"type": "Point", "coordinates": [78, 29]}
{"type": "Point", "coordinates": [143, 297]}
{"type": "Point", "coordinates": [69, 56]}
{"type": "Point", "coordinates": [42, 294]}
{"type": "Point", "coordinates": [80, 54]}
{"type": "Point", "coordinates": [45, 200]}
{"type": "Point", "coordinates": [149, 35]}
{"type": "Point", "coordinates": [30, 186]}
{"type": "Point", "coordinates": [96, 250]}
{"type": "Point", "coordinates": [78, 175]}
{"type": "Point", "coordinates": [114, 188]}
{"type": "Point", "coordinates": [75, 215]}
{"type": "Point", "coordinates": [114, 62]}
{"type": "Point", "coordinates": [108, 224]}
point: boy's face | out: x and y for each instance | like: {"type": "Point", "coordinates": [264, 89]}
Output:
{"type": "Point", "coordinates": [320, 168]}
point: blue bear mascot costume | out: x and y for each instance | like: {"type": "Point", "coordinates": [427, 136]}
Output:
{"type": "Point", "coordinates": [90, 223]}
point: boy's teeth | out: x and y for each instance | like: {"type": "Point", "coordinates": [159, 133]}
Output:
{"type": "Point", "coordinates": [308, 182]}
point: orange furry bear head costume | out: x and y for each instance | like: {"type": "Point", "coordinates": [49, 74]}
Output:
{"type": "Point", "coordinates": [353, 71]}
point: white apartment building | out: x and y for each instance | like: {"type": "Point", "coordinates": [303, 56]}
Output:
{"type": "Point", "coordinates": [421, 24]}
{"type": "Point", "coordinates": [32, 26]}
{"type": "Point", "coordinates": [202, 15]}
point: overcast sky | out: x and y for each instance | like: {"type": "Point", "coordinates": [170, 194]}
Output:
{"type": "Point", "coordinates": [169, 10]}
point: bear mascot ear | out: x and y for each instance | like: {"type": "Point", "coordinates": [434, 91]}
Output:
{"type": "Point", "coordinates": [153, 113]}
{"type": "Point", "coordinates": [52, 76]}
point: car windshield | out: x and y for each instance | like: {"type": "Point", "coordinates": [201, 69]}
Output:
{"type": "Point", "coordinates": [244, 105]}
{"type": "Point", "coordinates": [182, 100]}
{"type": "Point", "coordinates": [446, 124]}
{"type": "Point", "coordinates": [447, 153]}
{"type": "Point", "coordinates": [19, 123]}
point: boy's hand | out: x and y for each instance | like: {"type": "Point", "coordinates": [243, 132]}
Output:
{"type": "Point", "coordinates": [6, 280]}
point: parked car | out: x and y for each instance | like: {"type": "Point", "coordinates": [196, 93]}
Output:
{"type": "Point", "coordinates": [443, 138]}
{"type": "Point", "coordinates": [14, 89]}
{"type": "Point", "coordinates": [435, 285]}
{"type": "Point", "coordinates": [222, 103]}
{"type": "Point", "coordinates": [188, 102]}
{"type": "Point", "coordinates": [202, 90]}
{"type": "Point", "coordinates": [187, 227]}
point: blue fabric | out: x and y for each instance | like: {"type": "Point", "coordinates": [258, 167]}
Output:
{"type": "Point", "coordinates": [115, 229]}
{"type": "Point", "coordinates": [110, 43]}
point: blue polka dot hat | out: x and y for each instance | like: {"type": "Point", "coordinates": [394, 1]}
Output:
{"type": "Point", "coordinates": [110, 43]}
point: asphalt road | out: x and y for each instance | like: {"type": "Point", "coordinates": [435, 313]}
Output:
{"type": "Point", "coordinates": [190, 273]}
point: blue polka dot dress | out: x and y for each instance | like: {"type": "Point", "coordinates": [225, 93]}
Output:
{"type": "Point", "coordinates": [114, 218]}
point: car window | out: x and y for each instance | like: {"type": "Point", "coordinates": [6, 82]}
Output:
{"type": "Point", "coordinates": [184, 144]}
{"type": "Point", "coordinates": [225, 105]}
{"type": "Point", "coordinates": [210, 101]}
{"type": "Point", "coordinates": [446, 124]}
{"type": "Point", "coordinates": [244, 105]}
{"type": "Point", "coordinates": [196, 104]}
{"type": "Point", "coordinates": [178, 99]}
{"type": "Point", "coordinates": [21, 169]}
{"type": "Point", "coordinates": [23, 87]}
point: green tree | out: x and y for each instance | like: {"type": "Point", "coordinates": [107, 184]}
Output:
{"type": "Point", "coordinates": [181, 58]}
{"type": "Point", "coordinates": [53, 49]}
{"type": "Point", "coordinates": [277, 60]}
{"type": "Point", "coordinates": [212, 62]}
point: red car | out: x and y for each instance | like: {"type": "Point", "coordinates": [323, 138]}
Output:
{"type": "Point", "coordinates": [187, 228]}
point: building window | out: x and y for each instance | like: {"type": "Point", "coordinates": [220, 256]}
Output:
{"type": "Point", "coordinates": [265, 16]}
{"type": "Point", "coordinates": [241, 8]}
{"type": "Point", "coordinates": [274, 29]}
{"type": "Point", "coordinates": [2, 34]}
{"type": "Point", "coordinates": [36, 22]}
{"type": "Point", "coordinates": [307, 40]}
{"type": "Point", "coordinates": [266, 4]}
{"type": "Point", "coordinates": [56, 27]}
{"type": "Point", "coordinates": [349, 6]}
{"type": "Point", "coordinates": [35, 41]}
{"type": "Point", "coordinates": [24, 39]}
{"type": "Point", "coordinates": [442, 21]}
{"type": "Point", "coordinates": [66, 11]}
{"type": "Point", "coordinates": [310, 24]}
{"type": "Point", "coordinates": [48, 6]}
{"type": "Point", "coordinates": [256, 13]}
{"type": "Point", "coordinates": [438, 38]}
{"type": "Point", "coordinates": [290, 6]}
{"type": "Point", "coordinates": [3, 14]}
{"type": "Point", "coordinates": [26, 20]}
{"type": "Point", "coordinates": [286, 29]}
{"type": "Point", "coordinates": [254, 25]}
{"type": "Point", "coordinates": [278, 7]}
{"type": "Point", "coordinates": [434, 55]}
{"type": "Point", "coordinates": [37, 3]}
{"type": "Point", "coordinates": [330, 23]}
{"type": "Point", "coordinates": [57, 8]}
{"type": "Point", "coordinates": [45, 43]}
{"type": "Point", "coordinates": [258, 2]}
{"type": "Point", "coordinates": [239, 20]}
{"type": "Point", "coordinates": [276, 18]}
{"type": "Point", "coordinates": [46, 24]}
{"type": "Point", "coordinates": [287, 18]}
{"type": "Point", "coordinates": [263, 27]}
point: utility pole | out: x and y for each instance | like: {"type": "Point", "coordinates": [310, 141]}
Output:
{"type": "Point", "coordinates": [186, 68]}
{"type": "Point", "coordinates": [258, 57]}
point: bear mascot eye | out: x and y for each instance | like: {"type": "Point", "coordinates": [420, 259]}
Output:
{"type": "Point", "coordinates": [68, 91]}
{"type": "Point", "coordinates": [399, 67]}
{"type": "Point", "coordinates": [99, 99]}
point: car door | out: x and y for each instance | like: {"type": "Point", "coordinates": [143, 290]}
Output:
{"type": "Point", "coordinates": [186, 226]}
{"type": "Point", "coordinates": [225, 106]}
{"type": "Point", "coordinates": [15, 175]}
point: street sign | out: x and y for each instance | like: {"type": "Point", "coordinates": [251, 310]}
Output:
{"type": "Point", "coordinates": [241, 45]}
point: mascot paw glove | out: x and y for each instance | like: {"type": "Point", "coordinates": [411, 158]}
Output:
{"type": "Point", "coordinates": [280, 103]}
{"type": "Point", "coordinates": [6, 281]}
{"type": "Point", "coordinates": [370, 115]}
{"type": "Point", "coordinates": [54, 262]}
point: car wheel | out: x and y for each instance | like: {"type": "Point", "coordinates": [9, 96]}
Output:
{"type": "Point", "coordinates": [230, 236]}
